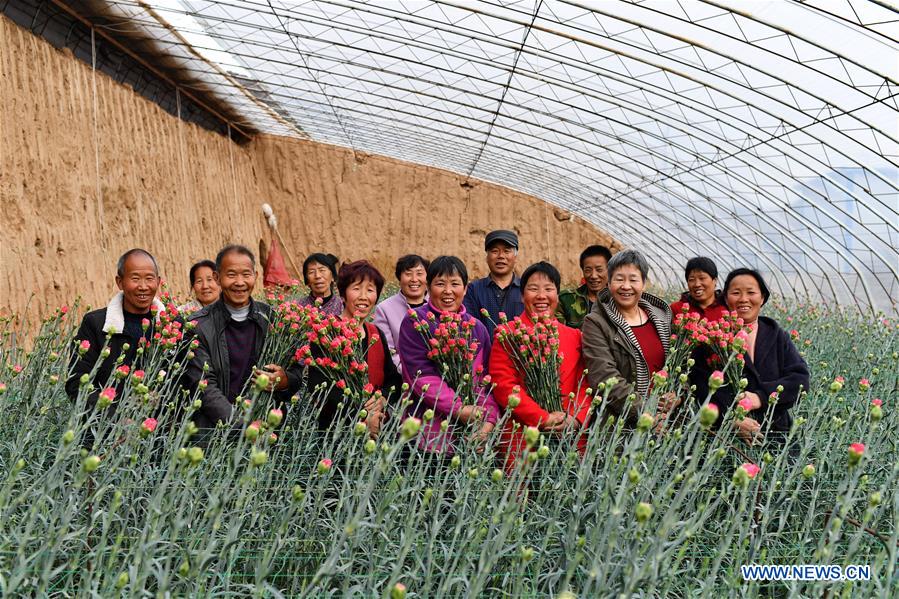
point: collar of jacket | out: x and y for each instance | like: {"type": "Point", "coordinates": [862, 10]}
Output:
{"type": "Point", "coordinates": [659, 314]}
{"type": "Point", "coordinates": [115, 313]}
{"type": "Point", "coordinates": [688, 299]}
{"type": "Point", "coordinates": [259, 312]}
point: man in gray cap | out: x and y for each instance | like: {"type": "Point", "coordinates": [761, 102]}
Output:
{"type": "Point", "coordinates": [500, 291]}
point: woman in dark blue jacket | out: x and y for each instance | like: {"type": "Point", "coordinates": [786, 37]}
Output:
{"type": "Point", "coordinates": [772, 362]}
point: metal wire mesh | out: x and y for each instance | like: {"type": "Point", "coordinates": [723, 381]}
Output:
{"type": "Point", "coordinates": [760, 134]}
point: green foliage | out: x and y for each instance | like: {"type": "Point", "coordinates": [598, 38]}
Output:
{"type": "Point", "coordinates": [98, 505]}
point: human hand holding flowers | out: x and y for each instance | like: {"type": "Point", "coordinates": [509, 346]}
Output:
{"type": "Point", "coordinates": [559, 422]}
{"type": "Point", "coordinates": [469, 414]}
{"type": "Point", "coordinates": [754, 398]}
{"type": "Point", "coordinates": [277, 377]}
{"type": "Point", "coordinates": [749, 430]}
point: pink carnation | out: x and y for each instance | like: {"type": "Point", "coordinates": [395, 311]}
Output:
{"type": "Point", "coordinates": [751, 469]}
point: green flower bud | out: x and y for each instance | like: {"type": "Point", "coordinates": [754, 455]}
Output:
{"type": "Point", "coordinates": [808, 471]}
{"type": "Point", "coordinates": [258, 457]}
{"type": "Point", "coordinates": [543, 452]}
{"type": "Point", "coordinates": [68, 437]}
{"type": "Point", "coordinates": [370, 446]}
{"type": "Point", "coordinates": [91, 463]}
{"type": "Point", "coordinates": [643, 512]}
{"type": "Point", "coordinates": [633, 476]}
{"type": "Point", "coordinates": [455, 462]}
{"type": "Point", "coordinates": [497, 475]}
{"type": "Point", "coordinates": [123, 581]}
{"type": "Point", "coordinates": [645, 422]}
{"type": "Point", "coordinates": [531, 436]}
{"type": "Point", "coordinates": [527, 554]}
{"type": "Point", "coordinates": [195, 455]}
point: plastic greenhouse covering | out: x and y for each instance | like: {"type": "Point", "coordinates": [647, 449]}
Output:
{"type": "Point", "coordinates": [758, 133]}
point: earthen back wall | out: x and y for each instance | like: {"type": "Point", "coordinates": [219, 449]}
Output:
{"type": "Point", "coordinates": [165, 185]}
{"type": "Point", "coordinates": [182, 192]}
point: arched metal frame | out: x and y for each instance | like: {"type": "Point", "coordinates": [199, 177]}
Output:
{"type": "Point", "coordinates": [759, 134]}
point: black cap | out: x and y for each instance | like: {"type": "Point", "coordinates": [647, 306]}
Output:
{"type": "Point", "coordinates": [508, 237]}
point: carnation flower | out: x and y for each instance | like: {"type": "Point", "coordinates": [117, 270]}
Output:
{"type": "Point", "coordinates": [708, 415]}
{"type": "Point", "coordinates": [751, 469]}
{"type": "Point", "coordinates": [148, 426]}
{"type": "Point", "coordinates": [856, 451]}
{"type": "Point", "coordinates": [107, 396]}
{"type": "Point", "coordinates": [274, 417]}
{"type": "Point", "coordinates": [324, 466]}
{"type": "Point", "coordinates": [864, 384]}
{"type": "Point", "coordinates": [716, 381]}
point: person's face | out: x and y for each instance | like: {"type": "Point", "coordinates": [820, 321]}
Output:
{"type": "Point", "coordinates": [237, 277]}
{"type": "Point", "coordinates": [744, 296]}
{"type": "Point", "coordinates": [701, 287]}
{"type": "Point", "coordinates": [540, 295]}
{"type": "Point", "coordinates": [447, 292]}
{"type": "Point", "coordinates": [360, 298]}
{"type": "Point", "coordinates": [139, 283]}
{"type": "Point", "coordinates": [595, 273]}
{"type": "Point", "coordinates": [206, 288]}
{"type": "Point", "coordinates": [501, 258]}
{"type": "Point", "coordinates": [626, 286]}
{"type": "Point", "coordinates": [320, 279]}
{"type": "Point", "coordinates": [413, 283]}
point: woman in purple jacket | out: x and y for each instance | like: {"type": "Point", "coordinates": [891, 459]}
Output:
{"type": "Point", "coordinates": [412, 274]}
{"type": "Point", "coordinates": [447, 284]}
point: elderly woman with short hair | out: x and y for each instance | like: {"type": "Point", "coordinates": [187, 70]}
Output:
{"type": "Point", "coordinates": [319, 275]}
{"type": "Point", "coordinates": [626, 337]}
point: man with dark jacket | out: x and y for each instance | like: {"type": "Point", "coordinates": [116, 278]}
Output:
{"type": "Point", "coordinates": [231, 334]}
{"type": "Point", "coordinates": [124, 322]}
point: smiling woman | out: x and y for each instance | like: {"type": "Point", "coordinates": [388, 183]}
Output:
{"type": "Point", "coordinates": [360, 284]}
{"type": "Point", "coordinates": [626, 337]}
{"type": "Point", "coordinates": [775, 372]}
{"type": "Point", "coordinates": [701, 297]}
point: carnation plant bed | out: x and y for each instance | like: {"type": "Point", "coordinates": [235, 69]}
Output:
{"type": "Point", "coordinates": [137, 513]}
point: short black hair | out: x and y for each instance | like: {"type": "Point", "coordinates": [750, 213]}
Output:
{"type": "Point", "coordinates": [752, 273]}
{"type": "Point", "coordinates": [120, 265]}
{"type": "Point", "coordinates": [702, 264]}
{"type": "Point", "coordinates": [447, 266]}
{"type": "Point", "coordinates": [595, 250]}
{"type": "Point", "coordinates": [358, 271]}
{"type": "Point", "coordinates": [233, 248]}
{"type": "Point", "coordinates": [201, 264]}
{"type": "Point", "coordinates": [328, 260]}
{"type": "Point", "coordinates": [410, 261]}
{"type": "Point", "coordinates": [545, 268]}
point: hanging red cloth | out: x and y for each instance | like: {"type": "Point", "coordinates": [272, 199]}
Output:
{"type": "Point", "coordinates": [275, 272]}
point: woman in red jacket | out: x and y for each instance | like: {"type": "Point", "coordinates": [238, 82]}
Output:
{"type": "Point", "coordinates": [568, 409]}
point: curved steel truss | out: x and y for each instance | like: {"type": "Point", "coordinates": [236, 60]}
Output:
{"type": "Point", "coordinates": [758, 133]}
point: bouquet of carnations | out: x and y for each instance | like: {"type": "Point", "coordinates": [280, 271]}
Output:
{"type": "Point", "coordinates": [535, 353]}
{"type": "Point", "coordinates": [289, 325]}
{"type": "Point", "coordinates": [723, 341]}
{"type": "Point", "coordinates": [336, 347]}
{"type": "Point", "coordinates": [452, 347]}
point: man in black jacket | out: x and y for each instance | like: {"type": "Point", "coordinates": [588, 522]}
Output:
{"type": "Point", "coordinates": [125, 321]}
{"type": "Point", "coordinates": [231, 334]}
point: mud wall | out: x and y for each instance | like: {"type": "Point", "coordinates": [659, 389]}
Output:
{"type": "Point", "coordinates": [89, 169]}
